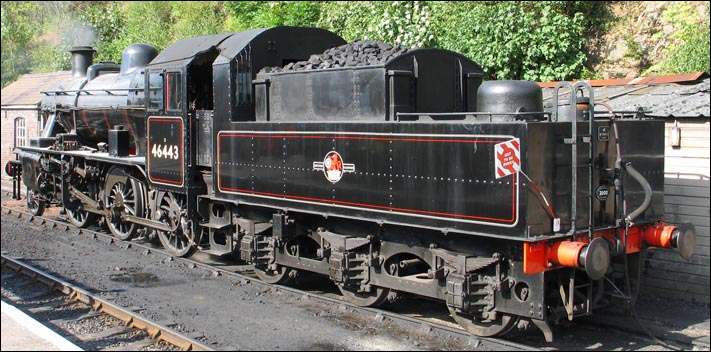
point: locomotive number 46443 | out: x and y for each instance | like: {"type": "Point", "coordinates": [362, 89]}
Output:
{"type": "Point", "coordinates": [165, 151]}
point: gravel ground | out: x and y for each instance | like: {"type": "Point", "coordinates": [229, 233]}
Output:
{"type": "Point", "coordinates": [225, 312]}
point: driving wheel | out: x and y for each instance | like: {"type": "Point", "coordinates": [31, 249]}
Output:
{"type": "Point", "coordinates": [172, 210]}
{"type": "Point", "coordinates": [124, 195]}
{"type": "Point", "coordinates": [80, 218]}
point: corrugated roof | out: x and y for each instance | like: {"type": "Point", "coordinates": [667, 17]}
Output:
{"type": "Point", "coordinates": [26, 90]}
{"type": "Point", "coordinates": [685, 95]}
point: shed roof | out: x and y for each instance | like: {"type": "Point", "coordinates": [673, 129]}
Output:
{"type": "Point", "coordinates": [685, 95]}
{"type": "Point", "coordinates": [27, 89]}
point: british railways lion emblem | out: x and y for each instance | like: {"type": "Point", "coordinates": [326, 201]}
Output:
{"type": "Point", "coordinates": [333, 166]}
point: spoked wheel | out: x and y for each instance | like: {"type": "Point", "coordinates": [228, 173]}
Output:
{"type": "Point", "coordinates": [282, 275]}
{"type": "Point", "coordinates": [497, 327]}
{"type": "Point", "coordinates": [172, 210]}
{"type": "Point", "coordinates": [80, 218]}
{"type": "Point", "coordinates": [124, 195]}
{"type": "Point", "coordinates": [35, 204]}
{"type": "Point", "coordinates": [376, 297]}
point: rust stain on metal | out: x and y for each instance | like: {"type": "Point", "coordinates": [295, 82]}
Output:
{"type": "Point", "coordinates": [685, 77]}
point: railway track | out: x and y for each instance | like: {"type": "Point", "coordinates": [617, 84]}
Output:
{"type": "Point", "coordinates": [434, 326]}
{"type": "Point", "coordinates": [89, 318]}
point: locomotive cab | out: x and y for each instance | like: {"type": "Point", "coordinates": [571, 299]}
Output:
{"type": "Point", "coordinates": [183, 108]}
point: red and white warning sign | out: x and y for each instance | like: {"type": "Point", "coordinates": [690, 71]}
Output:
{"type": "Point", "coordinates": [508, 158]}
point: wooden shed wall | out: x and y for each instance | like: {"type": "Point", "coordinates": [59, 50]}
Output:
{"type": "Point", "coordinates": [686, 198]}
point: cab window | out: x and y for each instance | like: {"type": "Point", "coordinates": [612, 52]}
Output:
{"type": "Point", "coordinates": [173, 91]}
{"type": "Point", "coordinates": [155, 91]}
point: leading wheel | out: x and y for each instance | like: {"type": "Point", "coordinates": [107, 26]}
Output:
{"type": "Point", "coordinates": [124, 195]}
{"type": "Point", "coordinates": [484, 327]}
{"type": "Point", "coordinates": [35, 204]}
{"type": "Point", "coordinates": [374, 298]}
{"type": "Point", "coordinates": [172, 210]}
{"type": "Point", "coordinates": [282, 275]}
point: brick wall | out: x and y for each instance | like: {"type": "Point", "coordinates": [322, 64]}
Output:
{"type": "Point", "coordinates": [8, 133]}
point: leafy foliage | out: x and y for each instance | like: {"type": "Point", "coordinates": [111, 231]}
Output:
{"type": "Point", "coordinates": [261, 14]}
{"type": "Point", "coordinates": [691, 51]}
{"type": "Point", "coordinates": [193, 18]}
{"type": "Point", "coordinates": [400, 22]}
{"type": "Point", "coordinates": [542, 40]}
{"type": "Point", "coordinates": [31, 41]}
{"type": "Point", "coordinates": [158, 31]}
{"type": "Point", "coordinates": [16, 31]}
{"type": "Point", "coordinates": [516, 40]}
{"type": "Point", "coordinates": [109, 26]}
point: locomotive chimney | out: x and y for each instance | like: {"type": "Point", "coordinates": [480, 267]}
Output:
{"type": "Point", "coordinates": [82, 58]}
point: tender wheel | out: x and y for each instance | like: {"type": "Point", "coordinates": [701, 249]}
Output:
{"type": "Point", "coordinates": [497, 327]}
{"type": "Point", "coordinates": [375, 298]}
{"type": "Point", "coordinates": [124, 195]}
{"type": "Point", "coordinates": [34, 203]}
{"type": "Point", "coordinates": [282, 275]}
{"type": "Point", "coordinates": [80, 218]}
{"type": "Point", "coordinates": [172, 210]}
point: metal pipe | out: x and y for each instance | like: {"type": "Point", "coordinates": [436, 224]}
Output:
{"type": "Point", "coordinates": [647, 193]}
{"type": "Point", "coordinates": [591, 153]}
{"type": "Point", "coordinates": [404, 264]}
{"type": "Point", "coordinates": [574, 152]}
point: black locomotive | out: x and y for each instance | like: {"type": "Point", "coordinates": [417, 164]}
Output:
{"type": "Point", "coordinates": [387, 169]}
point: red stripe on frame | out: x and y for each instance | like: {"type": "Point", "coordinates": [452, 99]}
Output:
{"type": "Point", "coordinates": [83, 117]}
{"type": "Point", "coordinates": [108, 125]}
{"type": "Point", "coordinates": [360, 138]}
{"type": "Point", "coordinates": [331, 201]}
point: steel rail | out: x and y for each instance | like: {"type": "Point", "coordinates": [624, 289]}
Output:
{"type": "Point", "coordinates": [129, 318]}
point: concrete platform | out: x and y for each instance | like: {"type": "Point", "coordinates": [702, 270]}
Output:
{"type": "Point", "coordinates": [20, 332]}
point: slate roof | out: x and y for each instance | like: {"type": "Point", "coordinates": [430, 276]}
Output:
{"type": "Point", "coordinates": [27, 89]}
{"type": "Point", "coordinates": [684, 95]}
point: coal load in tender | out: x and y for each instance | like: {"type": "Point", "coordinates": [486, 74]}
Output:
{"type": "Point", "coordinates": [358, 53]}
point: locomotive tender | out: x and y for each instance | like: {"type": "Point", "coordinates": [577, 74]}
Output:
{"type": "Point", "coordinates": [387, 169]}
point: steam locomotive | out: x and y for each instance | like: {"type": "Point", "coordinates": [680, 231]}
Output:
{"type": "Point", "coordinates": [386, 169]}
